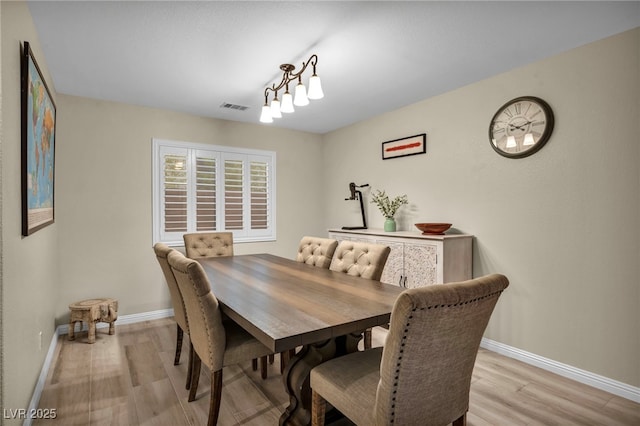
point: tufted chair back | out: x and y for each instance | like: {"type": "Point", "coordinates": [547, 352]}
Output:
{"type": "Point", "coordinates": [360, 259]}
{"type": "Point", "coordinates": [208, 244]}
{"type": "Point", "coordinates": [316, 251]}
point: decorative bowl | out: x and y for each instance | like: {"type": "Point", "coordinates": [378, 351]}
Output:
{"type": "Point", "coordinates": [433, 228]}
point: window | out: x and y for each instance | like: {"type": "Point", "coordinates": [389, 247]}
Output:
{"type": "Point", "coordinates": [198, 187]}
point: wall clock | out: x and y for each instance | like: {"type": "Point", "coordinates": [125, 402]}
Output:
{"type": "Point", "coordinates": [521, 127]}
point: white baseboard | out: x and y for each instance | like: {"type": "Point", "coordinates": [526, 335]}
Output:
{"type": "Point", "coordinates": [64, 329]}
{"type": "Point", "coordinates": [594, 380]}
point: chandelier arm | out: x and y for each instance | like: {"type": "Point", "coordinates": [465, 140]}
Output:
{"type": "Point", "coordinates": [290, 76]}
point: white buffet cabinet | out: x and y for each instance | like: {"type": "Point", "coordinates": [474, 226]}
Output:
{"type": "Point", "coordinates": [417, 260]}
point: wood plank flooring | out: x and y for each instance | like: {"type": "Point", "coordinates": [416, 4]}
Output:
{"type": "Point", "coordinates": [129, 379]}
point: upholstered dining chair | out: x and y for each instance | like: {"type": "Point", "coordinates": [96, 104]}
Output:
{"type": "Point", "coordinates": [208, 244]}
{"type": "Point", "coordinates": [422, 375]}
{"type": "Point", "coordinates": [217, 344]}
{"type": "Point", "coordinates": [316, 251]}
{"type": "Point", "coordinates": [361, 259]}
{"type": "Point", "coordinates": [179, 312]}
{"type": "Point", "coordinates": [215, 244]}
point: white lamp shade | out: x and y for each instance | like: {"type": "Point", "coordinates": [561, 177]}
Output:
{"type": "Point", "coordinates": [266, 117]}
{"type": "Point", "coordinates": [511, 142]}
{"type": "Point", "coordinates": [287, 103]}
{"type": "Point", "coordinates": [275, 109]}
{"type": "Point", "coordinates": [301, 96]}
{"type": "Point", "coordinates": [315, 88]}
{"type": "Point", "coordinates": [528, 139]}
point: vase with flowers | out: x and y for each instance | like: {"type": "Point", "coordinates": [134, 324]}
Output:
{"type": "Point", "coordinates": [388, 207]}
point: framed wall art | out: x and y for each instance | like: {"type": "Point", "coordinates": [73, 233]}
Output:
{"type": "Point", "coordinates": [411, 145]}
{"type": "Point", "coordinates": [38, 146]}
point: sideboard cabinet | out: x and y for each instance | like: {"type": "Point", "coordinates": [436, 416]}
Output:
{"type": "Point", "coordinates": [417, 260]}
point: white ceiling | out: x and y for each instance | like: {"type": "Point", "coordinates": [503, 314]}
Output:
{"type": "Point", "coordinates": [374, 57]}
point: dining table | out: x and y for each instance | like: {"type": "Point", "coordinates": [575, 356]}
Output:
{"type": "Point", "coordinates": [290, 305]}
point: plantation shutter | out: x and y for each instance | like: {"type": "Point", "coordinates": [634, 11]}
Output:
{"type": "Point", "coordinates": [201, 188]}
{"type": "Point", "coordinates": [206, 184]}
{"type": "Point", "coordinates": [174, 217]}
{"type": "Point", "coordinates": [234, 192]}
{"type": "Point", "coordinates": [259, 177]}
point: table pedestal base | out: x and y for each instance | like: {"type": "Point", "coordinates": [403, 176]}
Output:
{"type": "Point", "coordinates": [296, 375]}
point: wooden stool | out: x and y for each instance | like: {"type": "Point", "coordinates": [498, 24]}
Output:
{"type": "Point", "coordinates": [92, 311]}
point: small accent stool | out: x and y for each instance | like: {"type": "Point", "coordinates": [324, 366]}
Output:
{"type": "Point", "coordinates": [92, 311]}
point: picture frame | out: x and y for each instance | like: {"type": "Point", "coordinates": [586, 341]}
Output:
{"type": "Point", "coordinates": [411, 145]}
{"type": "Point", "coordinates": [38, 146]}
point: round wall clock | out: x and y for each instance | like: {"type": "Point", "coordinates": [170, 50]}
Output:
{"type": "Point", "coordinates": [521, 127]}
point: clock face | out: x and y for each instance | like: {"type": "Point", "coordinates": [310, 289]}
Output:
{"type": "Point", "coordinates": [521, 127]}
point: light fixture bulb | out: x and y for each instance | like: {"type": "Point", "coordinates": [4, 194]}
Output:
{"type": "Point", "coordinates": [511, 142]}
{"type": "Point", "coordinates": [301, 95]}
{"type": "Point", "coordinates": [528, 139]}
{"type": "Point", "coordinates": [315, 88]}
{"type": "Point", "coordinates": [275, 108]}
{"type": "Point", "coordinates": [266, 117]}
{"type": "Point", "coordinates": [287, 103]}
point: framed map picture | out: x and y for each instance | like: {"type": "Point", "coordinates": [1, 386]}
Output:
{"type": "Point", "coordinates": [38, 146]}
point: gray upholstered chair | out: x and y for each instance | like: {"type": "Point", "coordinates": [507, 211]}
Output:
{"type": "Point", "coordinates": [422, 376]}
{"type": "Point", "coordinates": [208, 244]}
{"type": "Point", "coordinates": [361, 259]}
{"type": "Point", "coordinates": [316, 251]}
{"type": "Point", "coordinates": [215, 343]}
{"type": "Point", "coordinates": [179, 312]}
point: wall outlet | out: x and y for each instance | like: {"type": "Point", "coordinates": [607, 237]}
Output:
{"type": "Point", "coordinates": [40, 341]}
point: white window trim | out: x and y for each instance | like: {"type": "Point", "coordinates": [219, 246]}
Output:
{"type": "Point", "coordinates": [239, 236]}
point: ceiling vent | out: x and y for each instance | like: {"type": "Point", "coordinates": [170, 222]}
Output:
{"type": "Point", "coordinates": [234, 106]}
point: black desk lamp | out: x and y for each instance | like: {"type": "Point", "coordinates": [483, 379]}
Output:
{"type": "Point", "coordinates": [357, 195]}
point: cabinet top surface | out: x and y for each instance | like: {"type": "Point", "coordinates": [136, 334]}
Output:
{"type": "Point", "coordinates": [400, 234]}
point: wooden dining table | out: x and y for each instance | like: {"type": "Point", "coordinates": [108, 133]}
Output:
{"type": "Point", "coordinates": [287, 305]}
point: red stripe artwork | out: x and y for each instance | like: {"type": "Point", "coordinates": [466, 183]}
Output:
{"type": "Point", "coordinates": [403, 147]}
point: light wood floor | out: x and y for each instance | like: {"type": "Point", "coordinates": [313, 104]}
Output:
{"type": "Point", "coordinates": [129, 379]}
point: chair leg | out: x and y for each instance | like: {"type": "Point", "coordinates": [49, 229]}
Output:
{"type": "Point", "coordinates": [216, 397]}
{"type": "Point", "coordinates": [254, 364]}
{"type": "Point", "coordinates": [367, 338]}
{"type": "Point", "coordinates": [271, 358]}
{"type": "Point", "coordinates": [318, 407]}
{"type": "Point", "coordinates": [195, 376]}
{"type": "Point", "coordinates": [285, 357]}
{"type": "Point", "coordinates": [263, 367]}
{"type": "Point", "coordinates": [461, 421]}
{"type": "Point", "coordinates": [190, 366]}
{"type": "Point", "coordinates": [179, 336]}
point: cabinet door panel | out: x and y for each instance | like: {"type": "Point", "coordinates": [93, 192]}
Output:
{"type": "Point", "coordinates": [394, 268]}
{"type": "Point", "coordinates": [420, 264]}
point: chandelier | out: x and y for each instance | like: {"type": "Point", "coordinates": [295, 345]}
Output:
{"type": "Point", "coordinates": [301, 98]}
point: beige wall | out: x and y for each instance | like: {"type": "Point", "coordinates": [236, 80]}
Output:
{"type": "Point", "coordinates": [103, 197]}
{"type": "Point", "coordinates": [29, 265]}
{"type": "Point", "coordinates": [563, 224]}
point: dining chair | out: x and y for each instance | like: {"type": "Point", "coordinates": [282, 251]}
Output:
{"type": "Point", "coordinates": [215, 244]}
{"type": "Point", "coordinates": [179, 312]}
{"type": "Point", "coordinates": [316, 251]}
{"type": "Point", "coordinates": [208, 244]}
{"type": "Point", "coordinates": [215, 343]}
{"type": "Point", "coordinates": [361, 259]}
{"type": "Point", "coordinates": [422, 375]}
